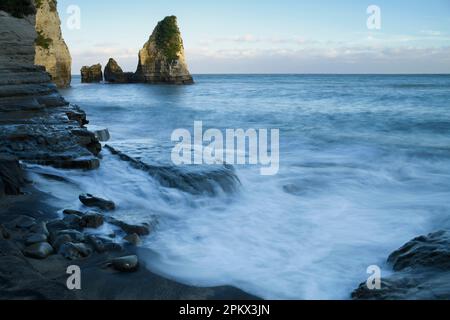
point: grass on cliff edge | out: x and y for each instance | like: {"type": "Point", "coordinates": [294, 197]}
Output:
{"type": "Point", "coordinates": [52, 3]}
{"type": "Point", "coordinates": [168, 37]}
{"type": "Point", "coordinates": [17, 8]}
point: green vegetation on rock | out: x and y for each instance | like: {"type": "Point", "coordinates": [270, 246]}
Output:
{"type": "Point", "coordinates": [52, 3]}
{"type": "Point", "coordinates": [17, 8]}
{"type": "Point", "coordinates": [168, 37]}
{"type": "Point", "coordinates": [42, 41]}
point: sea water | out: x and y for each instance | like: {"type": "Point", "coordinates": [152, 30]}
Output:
{"type": "Point", "coordinates": [364, 168]}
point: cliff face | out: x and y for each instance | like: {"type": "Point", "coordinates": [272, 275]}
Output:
{"type": "Point", "coordinates": [162, 59]}
{"type": "Point", "coordinates": [36, 123]}
{"type": "Point", "coordinates": [51, 50]}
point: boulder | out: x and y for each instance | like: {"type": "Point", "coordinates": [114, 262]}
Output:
{"type": "Point", "coordinates": [125, 264]}
{"type": "Point", "coordinates": [91, 201]}
{"type": "Point", "coordinates": [162, 58]}
{"type": "Point", "coordinates": [102, 135]}
{"type": "Point", "coordinates": [92, 220]}
{"type": "Point", "coordinates": [40, 228]}
{"type": "Point", "coordinates": [74, 251]}
{"type": "Point", "coordinates": [140, 230]}
{"type": "Point", "coordinates": [133, 239]}
{"type": "Point", "coordinates": [73, 212]}
{"type": "Point", "coordinates": [60, 240]}
{"type": "Point", "coordinates": [39, 250]}
{"type": "Point", "coordinates": [92, 74]}
{"type": "Point", "coordinates": [35, 238]}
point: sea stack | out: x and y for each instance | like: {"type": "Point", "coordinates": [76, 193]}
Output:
{"type": "Point", "coordinates": [92, 74]}
{"type": "Point", "coordinates": [51, 50]}
{"type": "Point", "coordinates": [162, 59]}
{"type": "Point", "coordinates": [114, 73]}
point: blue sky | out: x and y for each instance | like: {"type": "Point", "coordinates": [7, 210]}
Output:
{"type": "Point", "coordinates": [268, 36]}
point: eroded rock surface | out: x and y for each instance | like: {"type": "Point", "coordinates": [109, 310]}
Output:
{"type": "Point", "coordinates": [92, 74]}
{"type": "Point", "coordinates": [422, 271]}
{"type": "Point", "coordinates": [36, 123]}
{"type": "Point", "coordinates": [51, 50]}
{"type": "Point", "coordinates": [162, 58]}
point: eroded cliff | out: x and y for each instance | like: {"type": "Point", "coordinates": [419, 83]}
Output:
{"type": "Point", "coordinates": [51, 50]}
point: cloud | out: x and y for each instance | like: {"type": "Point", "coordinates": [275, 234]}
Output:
{"type": "Point", "coordinates": [342, 59]}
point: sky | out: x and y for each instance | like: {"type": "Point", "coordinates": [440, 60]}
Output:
{"type": "Point", "coordinates": [268, 36]}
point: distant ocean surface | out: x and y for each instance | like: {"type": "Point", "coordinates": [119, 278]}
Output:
{"type": "Point", "coordinates": [364, 168]}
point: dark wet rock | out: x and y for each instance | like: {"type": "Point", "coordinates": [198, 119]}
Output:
{"type": "Point", "coordinates": [75, 235]}
{"type": "Point", "coordinates": [422, 271]}
{"type": "Point", "coordinates": [92, 201]}
{"type": "Point", "coordinates": [73, 212]}
{"type": "Point", "coordinates": [60, 240]}
{"type": "Point", "coordinates": [55, 226]}
{"type": "Point", "coordinates": [96, 243]}
{"type": "Point", "coordinates": [78, 115]}
{"type": "Point", "coordinates": [125, 264]}
{"type": "Point", "coordinates": [102, 135]}
{"type": "Point", "coordinates": [74, 251]}
{"type": "Point", "coordinates": [133, 239]}
{"type": "Point", "coordinates": [40, 227]}
{"type": "Point", "coordinates": [23, 222]}
{"type": "Point", "coordinates": [39, 250]}
{"type": "Point", "coordinates": [114, 73]}
{"type": "Point", "coordinates": [12, 177]}
{"type": "Point", "coordinates": [35, 238]}
{"type": "Point", "coordinates": [425, 251]}
{"type": "Point", "coordinates": [140, 230]}
{"type": "Point", "coordinates": [92, 74]}
{"type": "Point", "coordinates": [73, 221]}
{"type": "Point", "coordinates": [92, 220]}
{"type": "Point", "coordinates": [212, 182]}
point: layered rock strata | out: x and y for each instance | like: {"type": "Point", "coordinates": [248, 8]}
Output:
{"type": "Point", "coordinates": [36, 123]}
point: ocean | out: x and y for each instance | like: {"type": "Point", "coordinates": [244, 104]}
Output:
{"type": "Point", "coordinates": [364, 168]}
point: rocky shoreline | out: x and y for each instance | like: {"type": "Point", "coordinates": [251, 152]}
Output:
{"type": "Point", "coordinates": [37, 247]}
{"type": "Point", "coordinates": [39, 126]}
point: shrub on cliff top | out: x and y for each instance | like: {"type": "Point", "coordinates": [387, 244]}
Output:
{"type": "Point", "coordinates": [52, 3]}
{"type": "Point", "coordinates": [17, 8]}
{"type": "Point", "coordinates": [168, 38]}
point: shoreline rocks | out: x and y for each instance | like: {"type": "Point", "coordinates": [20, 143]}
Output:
{"type": "Point", "coordinates": [91, 201]}
{"type": "Point", "coordinates": [422, 271]}
{"type": "Point", "coordinates": [92, 74]}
